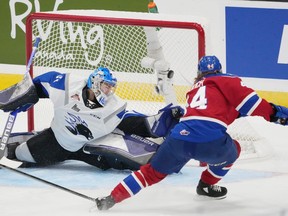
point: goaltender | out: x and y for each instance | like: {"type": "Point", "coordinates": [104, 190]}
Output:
{"type": "Point", "coordinates": [85, 111]}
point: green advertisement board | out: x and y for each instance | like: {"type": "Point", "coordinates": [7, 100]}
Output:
{"type": "Point", "coordinates": [13, 14]}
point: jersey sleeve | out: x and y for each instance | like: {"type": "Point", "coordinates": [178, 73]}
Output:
{"type": "Point", "coordinates": [47, 81]}
{"type": "Point", "coordinates": [245, 100]}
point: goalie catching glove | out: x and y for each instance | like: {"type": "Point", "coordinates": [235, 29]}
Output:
{"type": "Point", "coordinates": [19, 97]}
{"type": "Point", "coordinates": [280, 114]}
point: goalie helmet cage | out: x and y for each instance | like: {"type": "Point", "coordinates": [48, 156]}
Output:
{"type": "Point", "coordinates": [79, 42]}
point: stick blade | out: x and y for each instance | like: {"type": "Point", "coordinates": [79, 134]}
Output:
{"type": "Point", "coordinates": [10, 163]}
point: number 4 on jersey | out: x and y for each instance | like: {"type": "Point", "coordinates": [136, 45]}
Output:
{"type": "Point", "coordinates": [199, 101]}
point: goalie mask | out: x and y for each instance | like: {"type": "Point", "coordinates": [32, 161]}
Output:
{"type": "Point", "coordinates": [102, 83]}
{"type": "Point", "coordinates": [209, 64]}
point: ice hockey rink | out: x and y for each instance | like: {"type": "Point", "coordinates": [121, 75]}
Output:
{"type": "Point", "coordinates": [256, 186]}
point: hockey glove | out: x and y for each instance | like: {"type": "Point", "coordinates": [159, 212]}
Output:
{"type": "Point", "coordinates": [176, 111]}
{"type": "Point", "coordinates": [280, 116]}
{"type": "Point", "coordinates": [19, 97]}
{"type": "Point", "coordinates": [166, 119]}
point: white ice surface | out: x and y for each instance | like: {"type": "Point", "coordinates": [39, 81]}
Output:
{"type": "Point", "coordinates": [255, 187]}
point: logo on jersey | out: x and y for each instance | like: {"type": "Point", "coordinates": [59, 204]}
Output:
{"type": "Point", "coordinates": [184, 132]}
{"type": "Point", "coordinates": [77, 126]}
{"type": "Point", "coordinates": [58, 77]}
{"type": "Point", "coordinates": [75, 107]}
{"type": "Point", "coordinates": [210, 66]}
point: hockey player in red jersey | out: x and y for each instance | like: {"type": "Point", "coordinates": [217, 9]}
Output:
{"type": "Point", "coordinates": [213, 103]}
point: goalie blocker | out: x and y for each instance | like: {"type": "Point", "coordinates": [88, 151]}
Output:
{"type": "Point", "coordinates": [20, 96]}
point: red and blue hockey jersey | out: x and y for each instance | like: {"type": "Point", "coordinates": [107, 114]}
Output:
{"type": "Point", "coordinates": [213, 103]}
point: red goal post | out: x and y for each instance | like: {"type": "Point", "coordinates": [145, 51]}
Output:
{"type": "Point", "coordinates": [108, 22]}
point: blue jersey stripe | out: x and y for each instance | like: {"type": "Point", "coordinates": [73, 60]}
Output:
{"type": "Point", "coordinates": [54, 79]}
{"type": "Point", "coordinates": [248, 105]}
{"type": "Point", "coordinates": [132, 184]}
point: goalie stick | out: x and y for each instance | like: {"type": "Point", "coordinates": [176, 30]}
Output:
{"type": "Point", "coordinates": [12, 116]}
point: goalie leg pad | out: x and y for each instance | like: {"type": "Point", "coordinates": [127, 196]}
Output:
{"type": "Point", "coordinates": [114, 158]}
{"type": "Point", "coordinates": [129, 152]}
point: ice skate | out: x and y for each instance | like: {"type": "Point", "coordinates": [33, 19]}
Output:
{"type": "Point", "coordinates": [105, 203]}
{"type": "Point", "coordinates": [212, 191]}
{"type": "Point", "coordinates": [11, 147]}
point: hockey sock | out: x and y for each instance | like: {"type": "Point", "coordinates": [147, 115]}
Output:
{"type": "Point", "coordinates": [133, 183]}
{"type": "Point", "coordinates": [213, 175]}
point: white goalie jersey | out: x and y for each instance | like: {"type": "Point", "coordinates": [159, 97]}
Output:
{"type": "Point", "coordinates": [74, 124]}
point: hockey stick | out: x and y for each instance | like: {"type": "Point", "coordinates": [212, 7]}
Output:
{"type": "Point", "coordinates": [12, 116]}
{"type": "Point", "coordinates": [49, 183]}
{"type": "Point", "coordinates": [5, 137]}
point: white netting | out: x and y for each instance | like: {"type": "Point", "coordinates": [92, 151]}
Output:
{"type": "Point", "coordinates": [253, 143]}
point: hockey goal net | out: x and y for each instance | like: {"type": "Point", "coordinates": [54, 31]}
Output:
{"type": "Point", "coordinates": [81, 41]}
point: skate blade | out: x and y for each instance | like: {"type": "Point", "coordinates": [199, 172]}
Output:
{"type": "Point", "coordinates": [205, 198]}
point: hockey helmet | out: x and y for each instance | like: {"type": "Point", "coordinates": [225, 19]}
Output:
{"type": "Point", "coordinates": [209, 64]}
{"type": "Point", "coordinates": [102, 83]}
